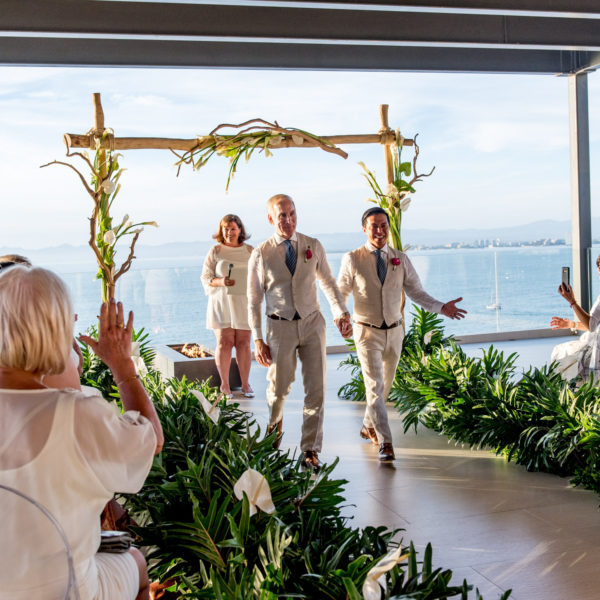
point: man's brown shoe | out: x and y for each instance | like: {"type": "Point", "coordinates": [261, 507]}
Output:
{"type": "Point", "coordinates": [368, 433]}
{"type": "Point", "coordinates": [311, 460]}
{"type": "Point", "coordinates": [271, 429]}
{"type": "Point", "coordinates": [386, 452]}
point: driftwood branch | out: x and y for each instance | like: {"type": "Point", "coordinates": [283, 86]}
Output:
{"type": "Point", "coordinates": [127, 263]}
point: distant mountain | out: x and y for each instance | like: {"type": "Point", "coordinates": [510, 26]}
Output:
{"type": "Point", "coordinates": [333, 242]}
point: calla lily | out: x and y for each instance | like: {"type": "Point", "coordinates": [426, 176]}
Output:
{"type": "Point", "coordinates": [405, 204]}
{"type": "Point", "coordinates": [138, 361]}
{"type": "Point", "coordinates": [276, 141]}
{"type": "Point", "coordinates": [268, 153]}
{"type": "Point", "coordinates": [427, 337]}
{"type": "Point", "coordinates": [108, 186]}
{"type": "Point", "coordinates": [257, 489]}
{"type": "Point", "coordinates": [109, 237]}
{"type": "Point", "coordinates": [376, 576]}
{"type": "Point", "coordinates": [392, 191]}
{"type": "Point", "coordinates": [212, 410]}
{"type": "Point", "coordinates": [297, 139]}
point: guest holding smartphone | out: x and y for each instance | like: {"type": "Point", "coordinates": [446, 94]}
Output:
{"type": "Point", "coordinates": [579, 358]}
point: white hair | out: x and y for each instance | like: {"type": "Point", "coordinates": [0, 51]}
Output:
{"type": "Point", "coordinates": [36, 320]}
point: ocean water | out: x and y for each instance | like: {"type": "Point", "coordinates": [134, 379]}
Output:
{"type": "Point", "coordinates": [167, 298]}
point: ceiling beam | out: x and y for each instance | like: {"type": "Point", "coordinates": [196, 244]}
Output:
{"type": "Point", "coordinates": [501, 6]}
{"type": "Point", "coordinates": [256, 55]}
{"type": "Point", "coordinates": [207, 20]}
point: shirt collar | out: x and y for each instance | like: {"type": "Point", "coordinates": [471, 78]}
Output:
{"type": "Point", "coordinates": [280, 239]}
{"type": "Point", "coordinates": [372, 248]}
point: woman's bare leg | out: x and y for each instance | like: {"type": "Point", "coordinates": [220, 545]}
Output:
{"type": "Point", "coordinates": [225, 341]}
{"type": "Point", "coordinates": [243, 356]}
{"type": "Point", "coordinates": [144, 593]}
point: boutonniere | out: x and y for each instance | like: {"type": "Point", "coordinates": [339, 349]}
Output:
{"type": "Point", "coordinates": [395, 262]}
{"type": "Point", "coordinates": [308, 255]}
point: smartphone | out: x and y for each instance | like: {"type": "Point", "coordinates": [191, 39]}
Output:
{"type": "Point", "coordinates": [566, 276]}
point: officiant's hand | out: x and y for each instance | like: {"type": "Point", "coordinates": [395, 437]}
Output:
{"type": "Point", "coordinates": [262, 352]}
{"type": "Point", "coordinates": [227, 282]}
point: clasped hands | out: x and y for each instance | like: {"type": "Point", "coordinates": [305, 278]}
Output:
{"type": "Point", "coordinates": [262, 352]}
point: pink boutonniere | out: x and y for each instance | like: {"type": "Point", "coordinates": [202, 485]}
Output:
{"type": "Point", "coordinates": [308, 255]}
{"type": "Point", "coordinates": [395, 262]}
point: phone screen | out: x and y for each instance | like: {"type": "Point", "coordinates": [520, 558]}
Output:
{"type": "Point", "coordinates": [566, 276]}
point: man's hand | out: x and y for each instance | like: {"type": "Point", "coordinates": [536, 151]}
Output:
{"type": "Point", "coordinates": [344, 324]}
{"type": "Point", "coordinates": [451, 311]}
{"type": "Point", "coordinates": [262, 353]}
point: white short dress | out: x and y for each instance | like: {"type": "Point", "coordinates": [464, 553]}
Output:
{"type": "Point", "coordinates": [227, 306]}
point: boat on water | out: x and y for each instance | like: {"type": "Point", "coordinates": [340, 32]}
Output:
{"type": "Point", "coordinates": [495, 301]}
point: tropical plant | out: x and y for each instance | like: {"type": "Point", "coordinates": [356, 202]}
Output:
{"type": "Point", "coordinates": [104, 185]}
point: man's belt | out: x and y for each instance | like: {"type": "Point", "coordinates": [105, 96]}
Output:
{"type": "Point", "coordinates": [383, 326]}
{"type": "Point", "coordinates": [296, 317]}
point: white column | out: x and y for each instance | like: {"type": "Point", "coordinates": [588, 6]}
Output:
{"type": "Point", "coordinates": [581, 217]}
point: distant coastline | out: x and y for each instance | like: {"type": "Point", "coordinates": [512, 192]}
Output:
{"type": "Point", "coordinates": [539, 233]}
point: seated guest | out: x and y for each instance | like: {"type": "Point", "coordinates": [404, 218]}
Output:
{"type": "Point", "coordinates": [579, 358]}
{"type": "Point", "coordinates": [67, 450]}
{"type": "Point", "coordinates": [70, 377]}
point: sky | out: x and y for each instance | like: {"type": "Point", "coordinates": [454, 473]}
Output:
{"type": "Point", "coordinates": [499, 144]}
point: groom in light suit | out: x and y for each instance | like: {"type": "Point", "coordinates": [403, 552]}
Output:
{"type": "Point", "coordinates": [376, 275]}
{"type": "Point", "coordinates": [283, 271]}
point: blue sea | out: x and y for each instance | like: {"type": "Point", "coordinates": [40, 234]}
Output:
{"type": "Point", "coordinates": [167, 298]}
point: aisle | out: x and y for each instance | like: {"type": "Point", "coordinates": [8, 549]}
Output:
{"type": "Point", "coordinates": [491, 522]}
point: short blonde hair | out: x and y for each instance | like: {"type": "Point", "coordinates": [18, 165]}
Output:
{"type": "Point", "coordinates": [36, 320]}
{"type": "Point", "coordinates": [273, 200]}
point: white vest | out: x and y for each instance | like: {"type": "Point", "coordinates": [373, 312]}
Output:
{"type": "Point", "coordinates": [285, 295]}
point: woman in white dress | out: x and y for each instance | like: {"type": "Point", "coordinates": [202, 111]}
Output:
{"type": "Point", "coordinates": [65, 450]}
{"type": "Point", "coordinates": [579, 358]}
{"type": "Point", "coordinates": [224, 276]}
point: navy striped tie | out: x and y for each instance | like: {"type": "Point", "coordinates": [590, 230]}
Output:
{"type": "Point", "coordinates": [290, 257]}
{"type": "Point", "coordinates": [381, 268]}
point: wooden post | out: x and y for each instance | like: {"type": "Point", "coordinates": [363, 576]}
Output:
{"type": "Point", "coordinates": [384, 131]}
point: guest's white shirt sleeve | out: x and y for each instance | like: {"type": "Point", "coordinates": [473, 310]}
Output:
{"type": "Point", "coordinates": [328, 283]}
{"type": "Point", "coordinates": [119, 448]}
{"type": "Point", "coordinates": [256, 293]}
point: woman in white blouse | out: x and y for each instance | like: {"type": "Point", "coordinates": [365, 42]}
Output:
{"type": "Point", "coordinates": [224, 276]}
{"type": "Point", "coordinates": [66, 450]}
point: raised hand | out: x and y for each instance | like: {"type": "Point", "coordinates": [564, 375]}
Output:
{"type": "Point", "coordinates": [452, 311]}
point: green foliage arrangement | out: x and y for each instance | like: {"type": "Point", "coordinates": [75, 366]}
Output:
{"type": "Point", "coordinates": [536, 419]}
{"type": "Point", "coordinates": [202, 541]}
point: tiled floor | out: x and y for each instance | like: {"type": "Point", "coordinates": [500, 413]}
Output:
{"type": "Point", "coordinates": [491, 522]}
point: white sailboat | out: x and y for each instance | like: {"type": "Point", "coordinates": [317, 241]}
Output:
{"type": "Point", "coordinates": [495, 304]}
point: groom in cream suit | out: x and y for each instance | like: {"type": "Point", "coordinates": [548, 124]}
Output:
{"type": "Point", "coordinates": [376, 275]}
{"type": "Point", "coordinates": [283, 271]}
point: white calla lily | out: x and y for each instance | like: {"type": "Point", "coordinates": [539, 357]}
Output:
{"type": "Point", "coordinates": [138, 361]}
{"type": "Point", "coordinates": [297, 139]}
{"type": "Point", "coordinates": [427, 337]}
{"type": "Point", "coordinates": [212, 410]}
{"type": "Point", "coordinates": [109, 237]}
{"type": "Point", "coordinates": [404, 204]}
{"type": "Point", "coordinates": [376, 576]}
{"type": "Point", "coordinates": [257, 489]}
{"type": "Point", "coordinates": [108, 186]}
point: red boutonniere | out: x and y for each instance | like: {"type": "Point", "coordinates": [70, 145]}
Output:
{"type": "Point", "coordinates": [395, 262]}
{"type": "Point", "coordinates": [308, 255]}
